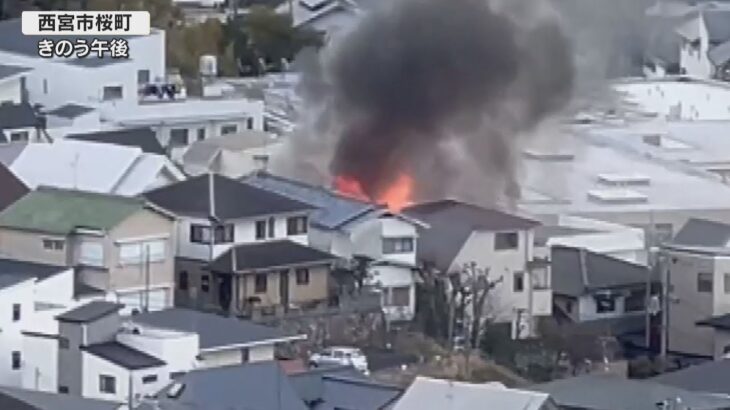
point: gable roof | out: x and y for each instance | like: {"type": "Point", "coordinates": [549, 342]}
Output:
{"type": "Point", "coordinates": [260, 385]}
{"type": "Point", "coordinates": [143, 138]}
{"type": "Point", "coordinates": [123, 356]}
{"type": "Point", "coordinates": [447, 394]}
{"type": "Point", "coordinates": [251, 257]}
{"type": "Point", "coordinates": [87, 166]}
{"type": "Point", "coordinates": [13, 271]}
{"type": "Point", "coordinates": [601, 271]}
{"type": "Point", "coordinates": [7, 71]}
{"type": "Point", "coordinates": [607, 391]}
{"type": "Point", "coordinates": [333, 211]}
{"type": "Point", "coordinates": [343, 387]}
{"type": "Point", "coordinates": [702, 232]}
{"type": "Point", "coordinates": [233, 199]}
{"type": "Point", "coordinates": [215, 332]}
{"type": "Point", "coordinates": [17, 116]}
{"type": "Point", "coordinates": [452, 222]}
{"type": "Point", "coordinates": [89, 312]}
{"type": "Point", "coordinates": [20, 399]}
{"type": "Point", "coordinates": [712, 377]}
{"type": "Point", "coordinates": [12, 187]}
{"type": "Point", "coordinates": [60, 212]}
{"type": "Point", "coordinates": [70, 111]}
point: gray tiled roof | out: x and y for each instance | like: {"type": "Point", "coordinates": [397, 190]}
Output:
{"type": "Point", "coordinates": [214, 331]}
{"type": "Point", "coordinates": [124, 356]}
{"type": "Point", "coordinates": [89, 312]}
{"type": "Point", "coordinates": [605, 391]}
{"type": "Point", "coordinates": [13, 271]}
{"type": "Point", "coordinates": [718, 24]}
{"type": "Point", "coordinates": [602, 272]}
{"type": "Point", "coordinates": [12, 187]}
{"type": "Point", "coordinates": [718, 322]}
{"type": "Point", "coordinates": [711, 377]}
{"type": "Point", "coordinates": [70, 111]}
{"type": "Point", "coordinates": [253, 386]}
{"type": "Point", "coordinates": [11, 70]}
{"type": "Point", "coordinates": [342, 388]}
{"type": "Point", "coordinates": [17, 116]}
{"type": "Point", "coordinates": [701, 232]}
{"type": "Point", "coordinates": [452, 222]}
{"type": "Point", "coordinates": [233, 199]}
{"type": "Point", "coordinates": [333, 210]}
{"type": "Point", "coordinates": [270, 254]}
{"type": "Point", "coordinates": [21, 399]}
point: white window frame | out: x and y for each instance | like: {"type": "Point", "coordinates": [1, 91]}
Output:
{"type": "Point", "coordinates": [91, 253]}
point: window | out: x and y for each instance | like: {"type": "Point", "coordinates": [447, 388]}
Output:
{"type": "Point", "coordinates": [15, 360]}
{"type": "Point", "coordinates": [249, 123]}
{"type": "Point", "coordinates": [107, 384]}
{"type": "Point", "coordinates": [112, 93]}
{"type": "Point", "coordinates": [45, 86]}
{"type": "Point", "coordinates": [635, 301]}
{"type": "Point", "coordinates": [229, 129]}
{"type": "Point", "coordinates": [201, 134]}
{"type": "Point", "coordinates": [397, 245]}
{"type": "Point", "coordinates": [143, 77]}
{"type": "Point", "coordinates": [296, 225]}
{"type": "Point", "coordinates": [704, 282]}
{"type": "Point", "coordinates": [199, 234]}
{"type": "Point", "coordinates": [205, 283]}
{"type": "Point", "coordinates": [16, 312]}
{"type": "Point", "coordinates": [63, 389]}
{"type": "Point", "coordinates": [176, 375]}
{"type": "Point", "coordinates": [91, 254]}
{"type": "Point", "coordinates": [245, 355]}
{"type": "Point", "coordinates": [260, 282]}
{"type": "Point", "coordinates": [302, 276]}
{"type": "Point", "coordinates": [139, 252]}
{"type": "Point", "coordinates": [605, 304]}
{"type": "Point", "coordinates": [506, 240]}
{"type": "Point", "coordinates": [260, 229]}
{"type": "Point", "coordinates": [182, 280]}
{"type": "Point", "coordinates": [726, 283]}
{"type": "Point", "coordinates": [149, 379]}
{"type": "Point", "coordinates": [178, 137]}
{"type": "Point", "coordinates": [540, 278]}
{"type": "Point", "coordinates": [224, 234]}
{"type": "Point", "coordinates": [53, 244]}
{"type": "Point", "coordinates": [62, 343]}
{"type": "Point", "coordinates": [400, 296]}
{"type": "Point", "coordinates": [518, 282]}
{"type": "Point", "coordinates": [272, 227]}
{"type": "Point", "coordinates": [19, 136]}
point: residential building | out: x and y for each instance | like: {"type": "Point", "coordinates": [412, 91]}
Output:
{"type": "Point", "coordinates": [11, 80]}
{"type": "Point", "coordinates": [351, 228]}
{"type": "Point", "coordinates": [705, 49]}
{"type": "Point", "coordinates": [13, 188]}
{"type": "Point", "coordinates": [20, 122]}
{"type": "Point", "coordinates": [332, 18]}
{"type": "Point", "coordinates": [245, 217]}
{"type": "Point", "coordinates": [223, 341]}
{"type": "Point", "coordinates": [460, 234]}
{"type": "Point", "coordinates": [342, 388]}
{"type": "Point", "coordinates": [696, 265]}
{"type": "Point", "coordinates": [122, 246]}
{"type": "Point", "coordinates": [431, 394]}
{"type": "Point", "coordinates": [607, 391]}
{"type": "Point", "coordinates": [259, 385]}
{"type": "Point", "coordinates": [270, 278]}
{"type": "Point", "coordinates": [22, 399]}
{"type": "Point", "coordinates": [708, 377]}
{"type": "Point", "coordinates": [233, 155]}
{"type": "Point", "coordinates": [89, 166]}
{"type": "Point", "coordinates": [599, 294]}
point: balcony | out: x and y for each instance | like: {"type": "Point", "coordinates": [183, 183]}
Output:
{"type": "Point", "coordinates": [162, 91]}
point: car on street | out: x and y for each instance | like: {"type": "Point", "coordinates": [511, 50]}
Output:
{"type": "Point", "coordinates": [340, 356]}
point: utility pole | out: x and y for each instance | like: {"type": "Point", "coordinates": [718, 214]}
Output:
{"type": "Point", "coordinates": [666, 283]}
{"type": "Point", "coordinates": [147, 278]}
{"type": "Point", "coordinates": [529, 280]}
{"type": "Point", "coordinates": [652, 257]}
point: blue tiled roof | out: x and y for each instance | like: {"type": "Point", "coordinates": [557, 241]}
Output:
{"type": "Point", "coordinates": [333, 210]}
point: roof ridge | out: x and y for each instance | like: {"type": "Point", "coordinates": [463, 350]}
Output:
{"type": "Point", "coordinates": [354, 380]}
{"type": "Point", "coordinates": [78, 192]}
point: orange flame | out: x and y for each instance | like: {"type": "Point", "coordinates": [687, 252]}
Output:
{"type": "Point", "coordinates": [396, 196]}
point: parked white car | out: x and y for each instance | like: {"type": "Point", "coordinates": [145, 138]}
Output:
{"type": "Point", "coordinates": [340, 356]}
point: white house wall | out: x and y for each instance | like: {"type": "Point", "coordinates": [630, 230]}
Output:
{"type": "Point", "coordinates": [94, 366]}
{"type": "Point", "coordinates": [179, 352]}
{"type": "Point", "coordinates": [11, 338]}
{"type": "Point", "coordinates": [390, 277]}
{"type": "Point", "coordinates": [40, 371]}
{"type": "Point", "coordinates": [221, 358]}
{"type": "Point", "coordinates": [10, 90]}
{"type": "Point", "coordinates": [58, 288]}
{"type": "Point", "coordinates": [261, 353]}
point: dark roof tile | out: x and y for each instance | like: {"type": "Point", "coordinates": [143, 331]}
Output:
{"type": "Point", "coordinates": [17, 116]}
{"type": "Point", "coordinates": [89, 312]}
{"type": "Point", "coordinates": [144, 138]}
{"type": "Point", "coordinates": [11, 70]}
{"type": "Point", "coordinates": [711, 377]}
{"type": "Point", "coordinates": [701, 232]}
{"type": "Point", "coordinates": [233, 199]}
{"type": "Point", "coordinates": [270, 254]}
{"type": "Point", "coordinates": [70, 111]}
{"type": "Point", "coordinates": [124, 356]}
{"type": "Point", "coordinates": [12, 187]}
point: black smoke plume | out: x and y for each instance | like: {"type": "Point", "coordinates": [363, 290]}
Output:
{"type": "Point", "coordinates": [440, 89]}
